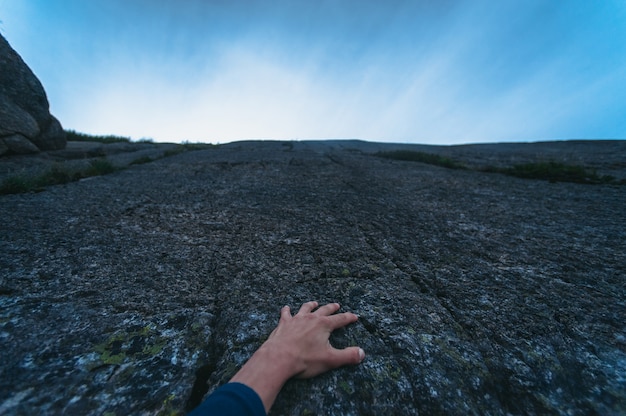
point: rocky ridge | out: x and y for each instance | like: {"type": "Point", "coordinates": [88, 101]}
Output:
{"type": "Point", "coordinates": [140, 291]}
{"type": "Point", "coordinates": [26, 125]}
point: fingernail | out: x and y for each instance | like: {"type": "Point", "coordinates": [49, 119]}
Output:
{"type": "Point", "coordinates": [361, 354]}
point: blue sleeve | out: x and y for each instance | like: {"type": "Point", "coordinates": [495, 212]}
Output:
{"type": "Point", "coordinates": [232, 399]}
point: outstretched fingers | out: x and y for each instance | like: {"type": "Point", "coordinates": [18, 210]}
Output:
{"type": "Point", "coordinates": [308, 307]}
{"type": "Point", "coordinates": [342, 319]}
{"type": "Point", "coordinates": [328, 312]}
{"type": "Point", "coordinates": [328, 309]}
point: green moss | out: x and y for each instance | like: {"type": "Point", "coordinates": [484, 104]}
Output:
{"type": "Point", "coordinates": [230, 370]}
{"type": "Point", "coordinates": [145, 330]}
{"type": "Point", "coordinates": [154, 349]}
{"type": "Point", "coordinates": [450, 351]}
{"type": "Point", "coordinates": [347, 388]}
{"type": "Point", "coordinates": [196, 327]}
{"type": "Point", "coordinates": [107, 358]}
{"type": "Point", "coordinates": [132, 345]}
{"type": "Point", "coordinates": [110, 351]}
{"type": "Point", "coordinates": [386, 372]}
{"type": "Point", "coordinates": [167, 407]}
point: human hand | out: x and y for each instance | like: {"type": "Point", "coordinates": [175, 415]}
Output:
{"type": "Point", "coordinates": [304, 339]}
{"type": "Point", "coordinates": [298, 347]}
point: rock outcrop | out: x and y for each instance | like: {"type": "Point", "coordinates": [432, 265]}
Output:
{"type": "Point", "coordinates": [26, 125]}
{"type": "Point", "coordinates": [478, 294]}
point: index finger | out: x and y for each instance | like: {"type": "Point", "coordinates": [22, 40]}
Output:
{"type": "Point", "coordinates": [341, 319]}
{"type": "Point", "coordinates": [327, 309]}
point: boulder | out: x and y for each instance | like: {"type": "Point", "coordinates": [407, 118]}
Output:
{"type": "Point", "coordinates": [19, 144]}
{"type": "Point", "coordinates": [52, 136]}
{"type": "Point", "coordinates": [26, 125]}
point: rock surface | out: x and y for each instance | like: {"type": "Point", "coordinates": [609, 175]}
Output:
{"type": "Point", "coordinates": [78, 154]}
{"type": "Point", "coordinates": [26, 125]}
{"type": "Point", "coordinates": [139, 291]}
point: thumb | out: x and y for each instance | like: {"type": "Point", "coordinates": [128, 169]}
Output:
{"type": "Point", "coordinates": [350, 355]}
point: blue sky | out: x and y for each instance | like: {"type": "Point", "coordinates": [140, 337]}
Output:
{"type": "Point", "coordinates": [437, 71]}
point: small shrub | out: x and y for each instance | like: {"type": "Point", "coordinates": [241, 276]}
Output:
{"type": "Point", "coordinates": [429, 158]}
{"type": "Point", "coordinates": [16, 185]}
{"type": "Point", "coordinates": [554, 172]}
{"type": "Point", "coordinates": [141, 160]}
{"type": "Point", "coordinates": [197, 146]}
{"type": "Point", "coordinates": [99, 167]}
{"type": "Point", "coordinates": [58, 174]}
{"type": "Point", "coordinates": [173, 152]}
{"type": "Point", "coordinates": [188, 147]}
{"type": "Point", "coordinates": [74, 136]}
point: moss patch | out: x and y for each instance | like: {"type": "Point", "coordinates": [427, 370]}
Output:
{"type": "Point", "coordinates": [132, 345]}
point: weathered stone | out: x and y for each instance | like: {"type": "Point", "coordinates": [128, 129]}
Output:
{"type": "Point", "coordinates": [80, 156]}
{"type": "Point", "coordinates": [478, 293]}
{"type": "Point", "coordinates": [15, 120]}
{"type": "Point", "coordinates": [19, 144]}
{"type": "Point", "coordinates": [3, 148]}
{"type": "Point", "coordinates": [52, 136]}
{"type": "Point", "coordinates": [24, 106]}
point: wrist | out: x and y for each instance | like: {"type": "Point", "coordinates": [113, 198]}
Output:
{"type": "Point", "coordinates": [267, 371]}
{"type": "Point", "coordinates": [285, 363]}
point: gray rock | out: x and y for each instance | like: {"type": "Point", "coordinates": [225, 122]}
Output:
{"type": "Point", "coordinates": [19, 144]}
{"type": "Point", "coordinates": [24, 107]}
{"type": "Point", "coordinates": [15, 120]}
{"type": "Point", "coordinates": [52, 136]}
{"type": "Point", "coordinates": [141, 291]}
{"type": "Point", "coordinates": [79, 157]}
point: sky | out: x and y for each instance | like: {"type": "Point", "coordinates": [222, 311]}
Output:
{"type": "Point", "coordinates": [421, 71]}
